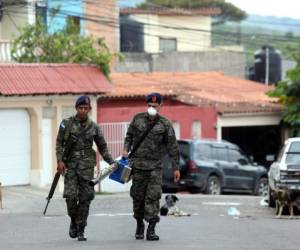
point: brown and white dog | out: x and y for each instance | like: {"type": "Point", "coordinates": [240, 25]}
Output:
{"type": "Point", "coordinates": [283, 198]}
{"type": "Point", "coordinates": [1, 207]}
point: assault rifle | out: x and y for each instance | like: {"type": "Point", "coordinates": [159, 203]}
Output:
{"type": "Point", "coordinates": [70, 142]}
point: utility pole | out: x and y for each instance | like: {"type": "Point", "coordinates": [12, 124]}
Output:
{"type": "Point", "coordinates": [267, 66]}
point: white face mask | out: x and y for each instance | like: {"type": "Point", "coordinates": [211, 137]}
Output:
{"type": "Point", "coordinates": [152, 111]}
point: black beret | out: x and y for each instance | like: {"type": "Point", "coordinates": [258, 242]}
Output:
{"type": "Point", "coordinates": [83, 100]}
{"type": "Point", "coordinates": [154, 97]}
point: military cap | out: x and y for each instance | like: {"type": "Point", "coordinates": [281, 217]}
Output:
{"type": "Point", "coordinates": [83, 100]}
{"type": "Point", "coordinates": [154, 97]}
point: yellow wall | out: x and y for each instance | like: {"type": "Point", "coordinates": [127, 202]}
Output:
{"type": "Point", "coordinates": [187, 40]}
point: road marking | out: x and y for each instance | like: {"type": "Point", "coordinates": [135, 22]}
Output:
{"type": "Point", "coordinates": [111, 215]}
{"type": "Point", "coordinates": [221, 203]}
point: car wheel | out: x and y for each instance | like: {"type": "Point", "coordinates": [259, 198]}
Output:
{"type": "Point", "coordinates": [213, 185]}
{"type": "Point", "coordinates": [262, 187]}
{"type": "Point", "coordinates": [271, 200]}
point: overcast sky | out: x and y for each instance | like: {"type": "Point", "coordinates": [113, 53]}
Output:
{"type": "Point", "coordinates": [286, 8]}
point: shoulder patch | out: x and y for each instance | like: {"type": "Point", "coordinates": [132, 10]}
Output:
{"type": "Point", "coordinates": [62, 125]}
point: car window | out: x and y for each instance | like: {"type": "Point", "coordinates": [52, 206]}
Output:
{"type": "Point", "coordinates": [293, 155]}
{"type": "Point", "coordinates": [202, 151]}
{"type": "Point", "coordinates": [236, 155]}
{"type": "Point", "coordinates": [184, 149]}
{"type": "Point", "coordinates": [219, 153]}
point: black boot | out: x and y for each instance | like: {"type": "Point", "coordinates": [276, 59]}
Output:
{"type": "Point", "coordinates": [151, 231]}
{"type": "Point", "coordinates": [140, 227]}
{"type": "Point", "coordinates": [73, 229]}
{"type": "Point", "coordinates": [81, 236]}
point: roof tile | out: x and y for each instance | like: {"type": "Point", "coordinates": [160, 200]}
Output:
{"type": "Point", "coordinates": [37, 79]}
{"type": "Point", "coordinates": [228, 94]}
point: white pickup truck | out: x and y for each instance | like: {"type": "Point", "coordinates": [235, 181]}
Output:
{"type": "Point", "coordinates": [284, 173]}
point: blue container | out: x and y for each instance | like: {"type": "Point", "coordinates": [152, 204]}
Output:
{"type": "Point", "coordinates": [122, 173]}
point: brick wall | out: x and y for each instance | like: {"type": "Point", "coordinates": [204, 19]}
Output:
{"type": "Point", "coordinates": [102, 20]}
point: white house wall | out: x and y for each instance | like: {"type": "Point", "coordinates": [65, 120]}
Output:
{"type": "Point", "coordinates": [14, 17]}
{"type": "Point", "coordinates": [187, 40]}
{"type": "Point", "coordinates": [244, 120]}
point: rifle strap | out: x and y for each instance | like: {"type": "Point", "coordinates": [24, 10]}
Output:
{"type": "Point", "coordinates": [68, 129]}
{"type": "Point", "coordinates": [135, 147]}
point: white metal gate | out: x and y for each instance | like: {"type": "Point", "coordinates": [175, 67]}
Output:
{"type": "Point", "coordinates": [114, 134]}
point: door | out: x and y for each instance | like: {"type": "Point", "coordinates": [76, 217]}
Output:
{"type": "Point", "coordinates": [15, 147]}
{"type": "Point", "coordinates": [244, 173]}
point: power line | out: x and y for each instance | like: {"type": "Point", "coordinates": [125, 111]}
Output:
{"type": "Point", "coordinates": [115, 25]}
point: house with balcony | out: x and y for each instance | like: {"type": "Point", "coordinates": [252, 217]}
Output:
{"type": "Point", "coordinates": [170, 40]}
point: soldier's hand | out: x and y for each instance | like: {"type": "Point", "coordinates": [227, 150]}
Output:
{"type": "Point", "coordinates": [61, 168]}
{"type": "Point", "coordinates": [114, 166]}
{"type": "Point", "coordinates": [125, 153]}
{"type": "Point", "coordinates": [176, 175]}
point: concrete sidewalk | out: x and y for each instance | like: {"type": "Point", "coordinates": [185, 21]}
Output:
{"type": "Point", "coordinates": [28, 199]}
{"type": "Point", "coordinates": [20, 199]}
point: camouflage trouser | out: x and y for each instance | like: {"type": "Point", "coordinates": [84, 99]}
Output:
{"type": "Point", "coordinates": [78, 192]}
{"type": "Point", "coordinates": [146, 192]}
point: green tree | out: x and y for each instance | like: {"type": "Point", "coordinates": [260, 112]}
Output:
{"type": "Point", "coordinates": [288, 94]}
{"type": "Point", "coordinates": [229, 12]}
{"type": "Point", "coordinates": [36, 45]}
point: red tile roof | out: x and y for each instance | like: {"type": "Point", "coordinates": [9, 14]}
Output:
{"type": "Point", "coordinates": [172, 11]}
{"type": "Point", "coordinates": [228, 94]}
{"type": "Point", "coordinates": [39, 79]}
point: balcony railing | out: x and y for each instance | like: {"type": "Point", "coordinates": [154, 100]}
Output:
{"type": "Point", "coordinates": [5, 47]}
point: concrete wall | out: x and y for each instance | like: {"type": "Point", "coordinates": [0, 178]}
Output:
{"type": "Point", "coordinates": [231, 62]}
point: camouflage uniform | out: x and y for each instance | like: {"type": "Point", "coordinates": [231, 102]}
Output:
{"type": "Point", "coordinates": [80, 165]}
{"type": "Point", "coordinates": [147, 163]}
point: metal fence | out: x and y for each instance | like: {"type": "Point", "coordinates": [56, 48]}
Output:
{"type": "Point", "coordinates": [114, 134]}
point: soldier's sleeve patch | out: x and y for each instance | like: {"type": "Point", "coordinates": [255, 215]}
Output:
{"type": "Point", "coordinates": [62, 125]}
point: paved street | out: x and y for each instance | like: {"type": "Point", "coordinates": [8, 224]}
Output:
{"type": "Point", "coordinates": [110, 225]}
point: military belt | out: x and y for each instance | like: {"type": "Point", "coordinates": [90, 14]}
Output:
{"type": "Point", "coordinates": [80, 153]}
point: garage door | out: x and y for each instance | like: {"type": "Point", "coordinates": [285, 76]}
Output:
{"type": "Point", "coordinates": [14, 147]}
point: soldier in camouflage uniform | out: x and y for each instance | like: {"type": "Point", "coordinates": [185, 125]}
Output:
{"type": "Point", "coordinates": [78, 168]}
{"type": "Point", "coordinates": [146, 163]}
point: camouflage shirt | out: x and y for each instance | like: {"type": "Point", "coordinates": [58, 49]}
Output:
{"type": "Point", "coordinates": [85, 132]}
{"type": "Point", "coordinates": [160, 140]}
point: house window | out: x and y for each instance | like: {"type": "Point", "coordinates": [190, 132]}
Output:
{"type": "Point", "coordinates": [167, 44]}
{"type": "Point", "coordinates": [74, 22]}
{"type": "Point", "coordinates": [41, 12]}
{"type": "Point", "coordinates": [196, 130]}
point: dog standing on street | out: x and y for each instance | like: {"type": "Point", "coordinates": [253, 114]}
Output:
{"type": "Point", "coordinates": [1, 207]}
{"type": "Point", "coordinates": [283, 198]}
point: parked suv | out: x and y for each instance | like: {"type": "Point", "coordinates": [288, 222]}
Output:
{"type": "Point", "coordinates": [284, 173]}
{"type": "Point", "coordinates": [212, 167]}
